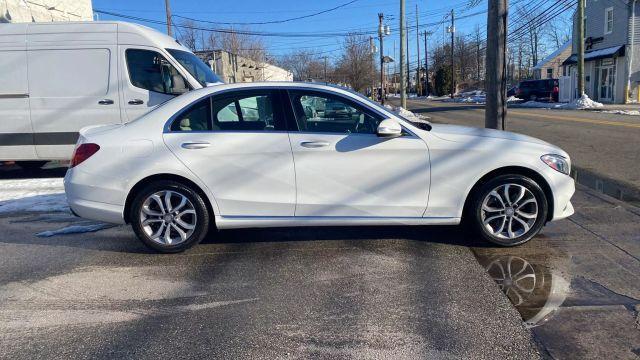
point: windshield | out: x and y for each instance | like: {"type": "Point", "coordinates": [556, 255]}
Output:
{"type": "Point", "coordinates": [196, 67]}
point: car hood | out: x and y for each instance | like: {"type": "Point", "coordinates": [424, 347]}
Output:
{"type": "Point", "coordinates": [453, 133]}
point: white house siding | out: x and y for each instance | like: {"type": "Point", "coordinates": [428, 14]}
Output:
{"type": "Point", "coordinates": [17, 11]}
{"type": "Point", "coordinates": [275, 73]}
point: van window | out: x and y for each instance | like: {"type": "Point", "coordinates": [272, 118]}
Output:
{"type": "Point", "coordinates": [195, 67]}
{"type": "Point", "coordinates": [69, 73]}
{"type": "Point", "coordinates": [150, 70]}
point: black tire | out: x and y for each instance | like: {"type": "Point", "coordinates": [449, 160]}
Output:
{"type": "Point", "coordinates": [202, 216]}
{"type": "Point", "coordinates": [31, 165]}
{"type": "Point", "coordinates": [475, 212]}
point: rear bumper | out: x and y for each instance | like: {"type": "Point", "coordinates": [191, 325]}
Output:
{"type": "Point", "coordinates": [84, 199]}
{"type": "Point", "coordinates": [97, 211]}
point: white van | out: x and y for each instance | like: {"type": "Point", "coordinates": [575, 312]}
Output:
{"type": "Point", "coordinates": [56, 78]}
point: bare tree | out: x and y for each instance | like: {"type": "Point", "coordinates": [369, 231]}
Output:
{"type": "Point", "coordinates": [355, 62]}
{"type": "Point", "coordinates": [188, 35]}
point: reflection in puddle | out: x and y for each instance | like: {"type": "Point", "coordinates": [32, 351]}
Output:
{"type": "Point", "coordinates": [535, 290]}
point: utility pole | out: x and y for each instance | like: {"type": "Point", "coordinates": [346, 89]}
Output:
{"type": "Point", "coordinates": [453, 66]}
{"type": "Point", "coordinates": [381, 36]}
{"type": "Point", "coordinates": [495, 110]}
{"type": "Point", "coordinates": [408, 57]}
{"type": "Point", "coordinates": [167, 8]}
{"type": "Point", "coordinates": [418, 81]}
{"type": "Point", "coordinates": [426, 66]}
{"type": "Point", "coordinates": [580, 48]}
{"type": "Point", "coordinates": [325, 70]}
{"type": "Point", "coordinates": [372, 48]}
{"type": "Point", "coordinates": [403, 84]}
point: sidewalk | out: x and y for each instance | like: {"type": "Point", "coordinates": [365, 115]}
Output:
{"type": "Point", "coordinates": [580, 280]}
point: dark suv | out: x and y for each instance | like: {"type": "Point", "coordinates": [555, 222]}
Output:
{"type": "Point", "coordinates": [546, 89]}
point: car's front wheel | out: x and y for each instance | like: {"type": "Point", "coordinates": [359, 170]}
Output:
{"type": "Point", "coordinates": [169, 217]}
{"type": "Point", "coordinates": [509, 210]}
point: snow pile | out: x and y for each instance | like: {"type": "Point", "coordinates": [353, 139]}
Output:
{"type": "Point", "coordinates": [540, 105]}
{"type": "Point", "coordinates": [409, 115]}
{"type": "Point", "coordinates": [622, 112]}
{"type": "Point", "coordinates": [584, 103]}
{"type": "Point", "coordinates": [513, 99]}
{"type": "Point", "coordinates": [579, 104]}
{"type": "Point", "coordinates": [32, 195]}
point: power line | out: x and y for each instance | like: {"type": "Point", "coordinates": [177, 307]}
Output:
{"type": "Point", "coordinates": [272, 21]}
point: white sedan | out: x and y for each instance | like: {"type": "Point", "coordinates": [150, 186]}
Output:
{"type": "Point", "coordinates": [299, 154]}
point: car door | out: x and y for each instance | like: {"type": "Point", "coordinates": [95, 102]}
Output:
{"type": "Point", "coordinates": [148, 80]}
{"type": "Point", "coordinates": [344, 169]}
{"type": "Point", "coordinates": [236, 143]}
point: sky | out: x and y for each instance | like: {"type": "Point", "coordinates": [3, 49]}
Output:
{"type": "Point", "coordinates": [353, 15]}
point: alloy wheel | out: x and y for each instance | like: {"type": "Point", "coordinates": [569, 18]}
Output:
{"type": "Point", "coordinates": [509, 211]}
{"type": "Point", "coordinates": [168, 217]}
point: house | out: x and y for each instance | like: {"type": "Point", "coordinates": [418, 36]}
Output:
{"type": "Point", "coordinates": [233, 68]}
{"type": "Point", "coordinates": [17, 11]}
{"type": "Point", "coordinates": [612, 34]}
{"type": "Point", "coordinates": [551, 66]}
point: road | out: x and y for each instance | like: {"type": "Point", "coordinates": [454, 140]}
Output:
{"type": "Point", "coordinates": [370, 292]}
{"type": "Point", "coordinates": [603, 147]}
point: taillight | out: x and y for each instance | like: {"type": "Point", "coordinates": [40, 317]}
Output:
{"type": "Point", "coordinates": [556, 90]}
{"type": "Point", "coordinates": [83, 152]}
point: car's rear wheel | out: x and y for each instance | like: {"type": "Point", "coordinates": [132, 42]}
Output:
{"type": "Point", "coordinates": [509, 210]}
{"type": "Point", "coordinates": [169, 216]}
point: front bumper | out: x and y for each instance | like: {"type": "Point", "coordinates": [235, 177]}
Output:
{"type": "Point", "coordinates": [563, 189]}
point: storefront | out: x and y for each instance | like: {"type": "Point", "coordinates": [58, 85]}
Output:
{"type": "Point", "coordinates": [604, 74]}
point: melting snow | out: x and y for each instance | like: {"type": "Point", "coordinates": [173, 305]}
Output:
{"type": "Point", "coordinates": [32, 195]}
{"type": "Point", "coordinates": [75, 229]}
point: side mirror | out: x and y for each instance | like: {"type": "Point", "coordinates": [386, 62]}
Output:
{"type": "Point", "coordinates": [389, 128]}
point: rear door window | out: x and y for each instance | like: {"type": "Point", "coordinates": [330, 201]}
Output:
{"type": "Point", "coordinates": [254, 110]}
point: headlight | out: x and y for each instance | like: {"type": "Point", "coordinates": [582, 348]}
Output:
{"type": "Point", "coordinates": [557, 162]}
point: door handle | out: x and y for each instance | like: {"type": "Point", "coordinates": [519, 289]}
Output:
{"type": "Point", "coordinates": [193, 145]}
{"type": "Point", "coordinates": [136, 102]}
{"type": "Point", "coordinates": [105, 102]}
{"type": "Point", "coordinates": [314, 144]}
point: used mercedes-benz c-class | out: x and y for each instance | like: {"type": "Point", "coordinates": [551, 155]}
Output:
{"type": "Point", "coordinates": [301, 154]}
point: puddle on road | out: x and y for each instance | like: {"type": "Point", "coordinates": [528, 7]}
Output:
{"type": "Point", "coordinates": [539, 284]}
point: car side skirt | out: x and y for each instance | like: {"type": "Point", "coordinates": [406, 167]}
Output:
{"type": "Point", "coordinates": [237, 222]}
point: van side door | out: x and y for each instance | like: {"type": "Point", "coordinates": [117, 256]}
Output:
{"type": "Point", "coordinates": [148, 80]}
{"type": "Point", "coordinates": [73, 83]}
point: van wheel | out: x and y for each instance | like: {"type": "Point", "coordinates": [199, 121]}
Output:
{"type": "Point", "coordinates": [31, 165]}
{"type": "Point", "coordinates": [169, 217]}
{"type": "Point", "coordinates": [508, 210]}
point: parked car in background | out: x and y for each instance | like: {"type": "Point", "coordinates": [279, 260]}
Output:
{"type": "Point", "coordinates": [57, 78]}
{"type": "Point", "coordinates": [192, 164]}
{"type": "Point", "coordinates": [547, 89]}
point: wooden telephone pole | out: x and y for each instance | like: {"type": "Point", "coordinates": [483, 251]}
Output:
{"type": "Point", "coordinates": [167, 9]}
{"type": "Point", "coordinates": [381, 35]}
{"type": "Point", "coordinates": [453, 62]}
{"type": "Point", "coordinates": [580, 48]}
{"type": "Point", "coordinates": [426, 66]}
{"type": "Point", "coordinates": [495, 110]}
{"type": "Point", "coordinates": [418, 81]}
{"type": "Point", "coordinates": [403, 50]}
